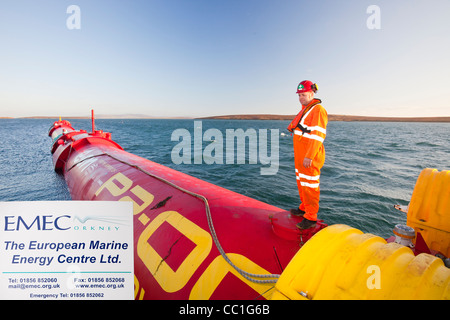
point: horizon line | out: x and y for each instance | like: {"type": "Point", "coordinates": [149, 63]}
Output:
{"type": "Point", "coordinates": [331, 117]}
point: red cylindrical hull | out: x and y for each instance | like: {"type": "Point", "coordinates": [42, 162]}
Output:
{"type": "Point", "coordinates": [180, 222]}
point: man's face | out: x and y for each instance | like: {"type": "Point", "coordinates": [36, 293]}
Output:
{"type": "Point", "coordinates": [305, 97]}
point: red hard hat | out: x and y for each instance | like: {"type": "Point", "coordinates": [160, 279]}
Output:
{"type": "Point", "coordinates": [306, 86]}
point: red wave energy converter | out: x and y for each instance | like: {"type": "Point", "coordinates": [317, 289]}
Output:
{"type": "Point", "coordinates": [196, 240]}
{"type": "Point", "coordinates": [192, 239]}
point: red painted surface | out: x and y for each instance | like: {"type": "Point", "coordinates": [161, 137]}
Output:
{"type": "Point", "coordinates": [97, 168]}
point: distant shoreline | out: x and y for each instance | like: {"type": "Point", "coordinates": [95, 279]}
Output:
{"type": "Point", "coordinates": [331, 117]}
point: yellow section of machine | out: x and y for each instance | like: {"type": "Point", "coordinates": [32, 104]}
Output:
{"type": "Point", "coordinates": [429, 209]}
{"type": "Point", "coordinates": [341, 262]}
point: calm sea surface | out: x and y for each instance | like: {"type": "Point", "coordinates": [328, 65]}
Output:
{"type": "Point", "coordinates": [369, 166]}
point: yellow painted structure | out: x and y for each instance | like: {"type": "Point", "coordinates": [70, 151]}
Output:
{"type": "Point", "coordinates": [429, 209]}
{"type": "Point", "coordinates": [341, 262]}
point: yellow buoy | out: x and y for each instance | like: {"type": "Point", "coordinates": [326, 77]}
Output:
{"type": "Point", "coordinates": [429, 209]}
{"type": "Point", "coordinates": [341, 262]}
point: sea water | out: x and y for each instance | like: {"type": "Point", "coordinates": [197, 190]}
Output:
{"type": "Point", "coordinates": [369, 166]}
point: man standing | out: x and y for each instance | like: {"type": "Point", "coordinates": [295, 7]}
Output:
{"type": "Point", "coordinates": [309, 128]}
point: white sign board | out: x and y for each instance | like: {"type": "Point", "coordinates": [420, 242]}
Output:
{"type": "Point", "coordinates": [66, 250]}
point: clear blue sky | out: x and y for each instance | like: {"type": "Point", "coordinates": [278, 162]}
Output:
{"type": "Point", "coordinates": [211, 57]}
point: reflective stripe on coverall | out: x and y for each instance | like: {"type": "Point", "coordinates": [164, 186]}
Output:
{"type": "Point", "coordinates": [309, 133]}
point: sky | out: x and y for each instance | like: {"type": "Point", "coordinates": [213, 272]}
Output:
{"type": "Point", "coordinates": [194, 58]}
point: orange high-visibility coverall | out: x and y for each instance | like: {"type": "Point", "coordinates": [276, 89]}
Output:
{"type": "Point", "coordinates": [309, 128]}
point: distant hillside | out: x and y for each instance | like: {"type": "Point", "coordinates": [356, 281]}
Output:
{"type": "Point", "coordinates": [104, 116]}
{"type": "Point", "coordinates": [336, 117]}
{"type": "Point", "coordinates": [331, 117]}
{"type": "Point", "coordinates": [253, 117]}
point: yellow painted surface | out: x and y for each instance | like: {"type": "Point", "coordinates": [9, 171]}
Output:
{"type": "Point", "coordinates": [341, 262]}
{"type": "Point", "coordinates": [429, 209]}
